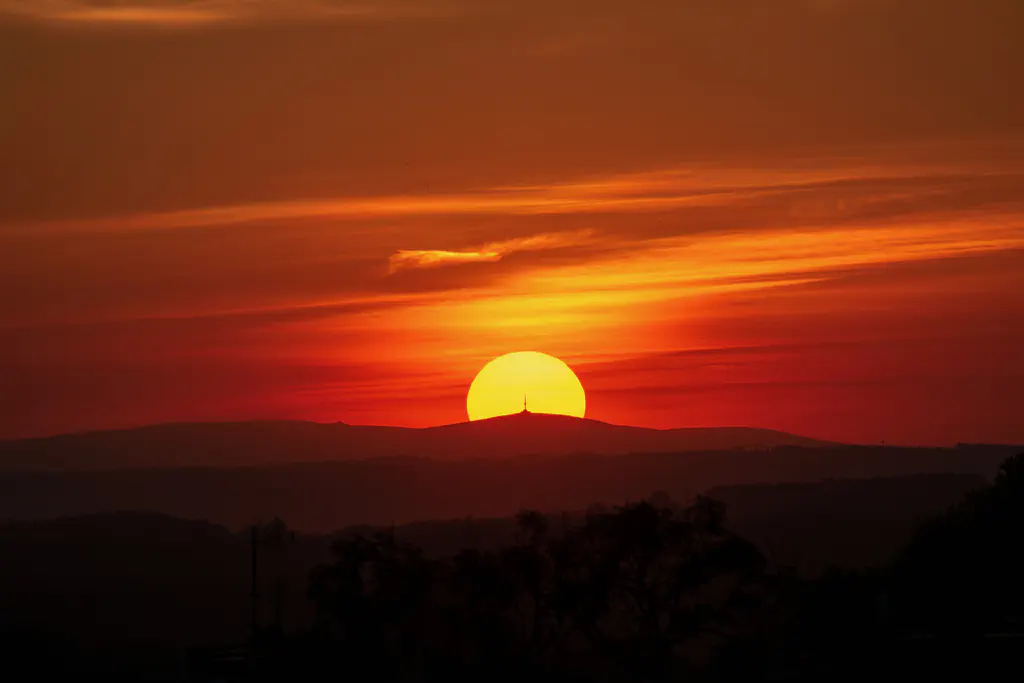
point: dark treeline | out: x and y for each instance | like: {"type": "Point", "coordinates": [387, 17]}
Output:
{"type": "Point", "coordinates": [615, 597]}
{"type": "Point", "coordinates": [654, 592]}
{"type": "Point", "coordinates": [650, 590]}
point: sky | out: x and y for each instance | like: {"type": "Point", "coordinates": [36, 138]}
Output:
{"type": "Point", "coordinates": [805, 215]}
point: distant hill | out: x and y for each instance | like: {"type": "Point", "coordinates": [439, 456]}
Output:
{"type": "Point", "coordinates": [234, 444]}
{"type": "Point", "coordinates": [844, 522]}
{"type": "Point", "coordinates": [324, 496]}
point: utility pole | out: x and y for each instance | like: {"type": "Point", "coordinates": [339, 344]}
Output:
{"type": "Point", "coordinates": [254, 593]}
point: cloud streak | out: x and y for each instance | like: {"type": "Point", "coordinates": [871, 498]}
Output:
{"type": "Point", "coordinates": [814, 191]}
{"type": "Point", "coordinates": [184, 13]}
{"type": "Point", "coordinates": [494, 251]}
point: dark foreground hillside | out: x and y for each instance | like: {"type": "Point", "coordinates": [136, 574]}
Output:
{"type": "Point", "coordinates": [135, 592]}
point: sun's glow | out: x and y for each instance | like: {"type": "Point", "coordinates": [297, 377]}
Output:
{"type": "Point", "coordinates": [543, 382]}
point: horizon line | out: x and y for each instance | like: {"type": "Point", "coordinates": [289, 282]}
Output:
{"type": "Point", "coordinates": [519, 414]}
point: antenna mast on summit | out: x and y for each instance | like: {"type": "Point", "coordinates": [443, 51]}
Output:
{"type": "Point", "coordinates": [524, 404]}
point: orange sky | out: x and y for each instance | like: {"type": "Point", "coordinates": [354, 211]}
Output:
{"type": "Point", "coordinates": [798, 214]}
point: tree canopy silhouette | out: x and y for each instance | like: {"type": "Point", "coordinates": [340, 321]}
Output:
{"type": "Point", "coordinates": [962, 571]}
{"type": "Point", "coordinates": [620, 592]}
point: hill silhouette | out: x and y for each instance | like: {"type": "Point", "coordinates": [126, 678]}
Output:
{"type": "Point", "coordinates": [323, 496]}
{"type": "Point", "coordinates": [233, 444]}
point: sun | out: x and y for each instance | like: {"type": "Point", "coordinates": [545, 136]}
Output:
{"type": "Point", "coordinates": [541, 382]}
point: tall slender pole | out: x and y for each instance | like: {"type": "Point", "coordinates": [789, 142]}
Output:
{"type": "Point", "coordinates": [254, 593]}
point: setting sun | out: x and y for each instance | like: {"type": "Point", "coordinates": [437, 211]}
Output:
{"type": "Point", "coordinates": [525, 380]}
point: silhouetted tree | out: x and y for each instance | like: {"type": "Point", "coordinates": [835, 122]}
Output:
{"type": "Point", "coordinates": [374, 601]}
{"type": "Point", "coordinates": [961, 572]}
{"type": "Point", "coordinates": [655, 577]}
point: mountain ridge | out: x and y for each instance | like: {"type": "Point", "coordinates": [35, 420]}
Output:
{"type": "Point", "coordinates": [263, 442]}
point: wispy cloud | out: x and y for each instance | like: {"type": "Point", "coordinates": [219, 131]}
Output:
{"type": "Point", "coordinates": [169, 15]}
{"type": "Point", "coordinates": [640, 287]}
{"type": "Point", "coordinates": [183, 13]}
{"type": "Point", "coordinates": [493, 251]}
{"type": "Point", "coordinates": [646, 192]}
{"type": "Point", "coordinates": [429, 258]}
